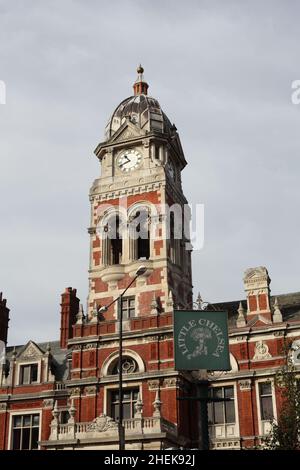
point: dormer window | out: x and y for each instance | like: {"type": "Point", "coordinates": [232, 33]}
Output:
{"type": "Point", "coordinates": [28, 374]}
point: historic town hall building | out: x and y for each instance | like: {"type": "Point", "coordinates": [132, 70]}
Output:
{"type": "Point", "coordinates": [64, 394]}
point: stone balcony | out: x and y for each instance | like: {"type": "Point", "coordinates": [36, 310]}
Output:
{"type": "Point", "coordinates": [141, 432]}
{"type": "Point", "coordinates": [105, 427]}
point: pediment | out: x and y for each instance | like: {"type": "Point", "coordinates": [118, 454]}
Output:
{"type": "Point", "coordinates": [257, 272]}
{"type": "Point", "coordinates": [259, 320]}
{"type": "Point", "coordinates": [127, 131]}
{"type": "Point", "coordinates": [31, 351]}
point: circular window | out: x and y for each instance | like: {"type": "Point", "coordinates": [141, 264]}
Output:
{"type": "Point", "coordinates": [129, 366]}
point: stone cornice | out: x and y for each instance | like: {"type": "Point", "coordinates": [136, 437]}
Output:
{"type": "Point", "coordinates": [126, 335]}
{"type": "Point", "coordinates": [34, 395]}
{"type": "Point", "coordinates": [126, 378]}
{"type": "Point", "coordinates": [268, 329]}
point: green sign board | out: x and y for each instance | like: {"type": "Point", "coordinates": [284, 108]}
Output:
{"type": "Point", "coordinates": [201, 340]}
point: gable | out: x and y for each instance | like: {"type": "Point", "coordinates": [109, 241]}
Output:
{"type": "Point", "coordinates": [30, 352]}
{"type": "Point", "coordinates": [258, 320]}
{"type": "Point", "coordinates": [127, 131]}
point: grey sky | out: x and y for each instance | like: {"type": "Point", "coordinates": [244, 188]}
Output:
{"type": "Point", "coordinates": [221, 70]}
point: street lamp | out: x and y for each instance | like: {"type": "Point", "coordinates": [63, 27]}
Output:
{"type": "Point", "coordinates": [139, 272]}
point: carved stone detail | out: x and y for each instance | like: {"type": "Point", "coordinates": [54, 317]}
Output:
{"type": "Point", "coordinates": [240, 338]}
{"type": "Point", "coordinates": [102, 423]}
{"type": "Point", "coordinates": [91, 390]}
{"type": "Point", "coordinates": [75, 392]}
{"type": "Point", "coordinates": [152, 338]}
{"type": "Point", "coordinates": [241, 319]}
{"type": "Point", "coordinates": [277, 315]}
{"type": "Point", "coordinates": [170, 383]}
{"type": "Point", "coordinates": [31, 352]}
{"type": "Point", "coordinates": [261, 351]}
{"type": "Point", "coordinates": [138, 407]}
{"type": "Point", "coordinates": [279, 333]}
{"type": "Point", "coordinates": [157, 405]}
{"type": "Point", "coordinates": [245, 384]}
{"type": "Point", "coordinates": [153, 384]}
{"type": "Point", "coordinates": [48, 403]}
{"type": "Point", "coordinates": [3, 407]}
{"type": "Point", "coordinates": [165, 337]}
{"type": "Point", "coordinates": [89, 346]}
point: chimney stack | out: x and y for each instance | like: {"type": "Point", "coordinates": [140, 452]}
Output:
{"type": "Point", "coordinates": [69, 309]}
{"type": "Point", "coordinates": [4, 319]}
{"type": "Point", "coordinates": [257, 287]}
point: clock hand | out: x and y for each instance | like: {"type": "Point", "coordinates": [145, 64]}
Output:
{"type": "Point", "coordinates": [128, 160]}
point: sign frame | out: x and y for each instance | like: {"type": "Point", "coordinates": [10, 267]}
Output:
{"type": "Point", "coordinates": [201, 340]}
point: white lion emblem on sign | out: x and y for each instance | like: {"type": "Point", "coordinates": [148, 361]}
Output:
{"type": "Point", "coordinates": [200, 335]}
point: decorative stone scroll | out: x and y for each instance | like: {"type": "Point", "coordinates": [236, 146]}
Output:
{"type": "Point", "coordinates": [102, 423]}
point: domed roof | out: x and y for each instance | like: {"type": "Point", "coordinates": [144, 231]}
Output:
{"type": "Point", "coordinates": [141, 109]}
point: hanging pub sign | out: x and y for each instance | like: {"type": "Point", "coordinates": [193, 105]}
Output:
{"type": "Point", "coordinates": [201, 340]}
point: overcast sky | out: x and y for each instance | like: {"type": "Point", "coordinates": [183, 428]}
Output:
{"type": "Point", "coordinates": [222, 72]}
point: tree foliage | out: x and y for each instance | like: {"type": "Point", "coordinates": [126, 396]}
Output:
{"type": "Point", "coordinates": [285, 433]}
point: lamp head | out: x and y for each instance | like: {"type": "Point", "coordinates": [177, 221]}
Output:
{"type": "Point", "coordinates": [103, 309]}
{"type": "Point", "coordinates": [140, 271]}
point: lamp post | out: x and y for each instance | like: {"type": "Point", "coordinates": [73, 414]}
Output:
{"type": "Point", "coordinates": [203, 384]}
{"type": "Point", "coordinates": [139, 272]}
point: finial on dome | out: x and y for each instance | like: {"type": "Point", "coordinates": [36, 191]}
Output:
{"type": "Point", "coordinates": [140, 87]}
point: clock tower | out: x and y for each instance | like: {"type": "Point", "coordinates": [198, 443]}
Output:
{"type": "Point", "coordinates": [139, 218]}
{"type": "Point", "coordinates": [139, 215]}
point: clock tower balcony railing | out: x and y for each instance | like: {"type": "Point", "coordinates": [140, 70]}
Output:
{"type": "Point", "coordinates": [116, 272]}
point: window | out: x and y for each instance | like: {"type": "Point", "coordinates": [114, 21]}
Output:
{"type": "Point", "coordinates": [129, 398]}
{"type": "Point", "coordinates": [25, 432]}
{"type": "Point", "coordinates": [156, 152]}
{"type": "Point", "coordinates": [142, 228]}
{"type": "Point", "coordinates": [116, 244]}
{"type": "Point", "coordinates": [139, 234]}
{"type": "Point", "coordinates": [221, 412]}
{"type": "Point", "coordinates": [129, 366]}
{"type": "Point", "coordinates": [64, 416]}
{"type": "Point", "coordinates": [28, 374]}
{"type": "Point", "coordinates": [266, 401]}
{"type": "Point", "coordinates": [128, 307]}
{"type": "Point", "coordinates": [172, 238]}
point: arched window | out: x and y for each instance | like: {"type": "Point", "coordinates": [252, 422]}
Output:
{"type": "Point", "coordinates": [116, 244]}
{"type": "Point", "coordinates": [172, 240]}
{"type": "Point", "coordinates": [143, 241]}
{"type": "Point", "coordinates": [175, 236]}
{"type": "Point", "coordinates": [140, 234]}
{"type": "Point", "coordinates": [112, 240]}
{"type": "Point", "coordinates": [132, 363]}
{"type": "Point", "coordinates": [129, 366]}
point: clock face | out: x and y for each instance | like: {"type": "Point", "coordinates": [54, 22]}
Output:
{"type": "Point", "coordinates": [171, 169]}
{"type": "Point", "coordinates": [128, 160]}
